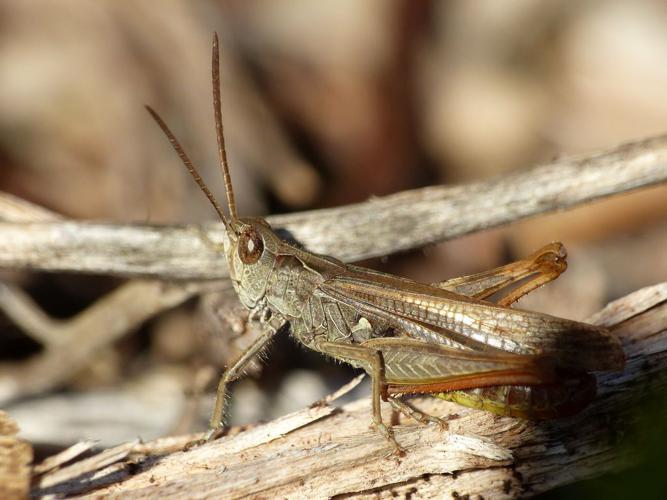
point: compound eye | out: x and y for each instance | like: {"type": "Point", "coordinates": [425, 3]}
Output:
{"type": "Point", "coordinates": [251, 246]}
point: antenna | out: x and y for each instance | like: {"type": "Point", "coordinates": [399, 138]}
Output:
{"type": "Point", "coordinates": [188, 164]}
{"type": "Point", "coordinates": [217, 108]}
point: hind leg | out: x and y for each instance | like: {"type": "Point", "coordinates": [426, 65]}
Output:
{"type": "Point", "coordinates": [543, 266]}
{"type": "Point", "coordinates": [419, 416]}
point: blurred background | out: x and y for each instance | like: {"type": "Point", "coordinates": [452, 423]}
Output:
{"type": "Point", "coordinates": [324, 104]}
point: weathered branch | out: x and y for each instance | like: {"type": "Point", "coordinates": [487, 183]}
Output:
{"type": "Point", "coordinates": [374, 228]}
{"type": "Point", "coordinates": [15, 458]}
{"type": "Point", "coordinates": [71, 344]}
{"type": "Point", "coordinates": [323, 451]}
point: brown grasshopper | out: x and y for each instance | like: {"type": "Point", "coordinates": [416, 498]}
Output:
{"type": "Point", "coordinates": [458, 340]}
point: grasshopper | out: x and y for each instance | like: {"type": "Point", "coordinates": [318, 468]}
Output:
{"type": "Point", "coordinates": [458, 340]}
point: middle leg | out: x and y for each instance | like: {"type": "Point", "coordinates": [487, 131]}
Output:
{"type": "Point", "coordinates": [371, 361]}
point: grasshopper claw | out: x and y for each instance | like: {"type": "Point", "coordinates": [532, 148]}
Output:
{"type": "Point", "coordinates": [443, 423]}
{"type": "Point", "coordinates": [421, 417]}
{"type": "Point", "coordinates": [398, 450]}
{"type": "Point", "coordinates": [395, 454]}
{"type": "Point", "coordinates": [194, 444]}
{"type": "Point", "coordinates": [211, 435]}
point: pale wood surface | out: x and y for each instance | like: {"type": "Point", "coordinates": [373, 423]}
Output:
{"type": "Point", "coordinates": [15, 459]}
{"type": "Point", "coordinates": [377, 227]}
{"type": "Point", "coordinates": [324, 451]}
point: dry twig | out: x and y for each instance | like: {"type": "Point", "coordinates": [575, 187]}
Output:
{"type": "Point", "coordinates": [377, 227]}
{"type": "Point", "coordinates": [78, 339]}
{"type": "Point", "coordinates": [70, 345]}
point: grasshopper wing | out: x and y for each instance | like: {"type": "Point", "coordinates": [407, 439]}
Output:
{"type": "Point", "coordinates": [413, 366]}
{"type": "Point", "coordinates": [431, 314]}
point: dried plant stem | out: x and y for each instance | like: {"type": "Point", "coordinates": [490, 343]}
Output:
{"type": "Point", "coordinates": [71, 344]}
{"type": "Point", "coordinates": [377, 227]}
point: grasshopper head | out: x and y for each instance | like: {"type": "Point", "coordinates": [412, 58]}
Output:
{"type": "Point", "coordinates": [250, 249]}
